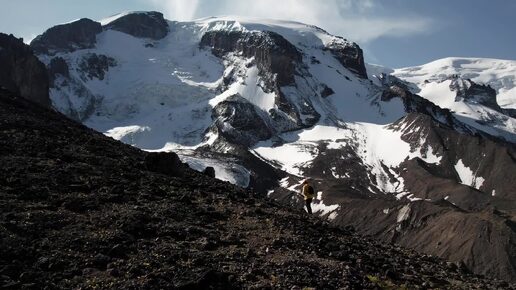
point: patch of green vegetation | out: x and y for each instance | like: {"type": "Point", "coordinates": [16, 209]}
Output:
{"type": "Point", "coordinates": [385, 284]}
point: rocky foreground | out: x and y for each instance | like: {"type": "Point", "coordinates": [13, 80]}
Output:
{"type": "Point", "coordinates": [80, 210]}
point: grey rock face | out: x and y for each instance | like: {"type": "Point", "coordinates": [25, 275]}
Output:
{"type": "Point", "coordinates": [472, 92]}
{"type": "Point", "coordinates": [96, 65]}
{"type": "Point", "coordinates": [79, 34]}
{"type": "Point", "coordinates": [350, 55]}
{"type": "Point", "coordinates": [238, 121]}
{"type": "Point", "coordinates": [57, 66]}
{"type": "Point", "coordinates": [145, 24]}
{"type": "Point", "coordinates": [21, 72]}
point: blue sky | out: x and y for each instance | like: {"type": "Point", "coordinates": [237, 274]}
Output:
{"type": "Point", "coordinates": [394, 33]}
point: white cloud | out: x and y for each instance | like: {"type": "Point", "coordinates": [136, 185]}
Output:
{"type": "Point", "coordinates": [361, 21]}
{"type": "Point", "coordinates": [365, 30]}
{"type": "Point", "coordinates": [178, 9]}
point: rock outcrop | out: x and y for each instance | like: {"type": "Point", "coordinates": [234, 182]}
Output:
{"type": "Point", "coordinates": [469, 91]}
{"type": "Point", "coordinates": [68, 37]}
{"type": "Point", "coordinates": [350, 55]}
{"type": "Point", "coordinates": [21, 72]}
{"type": "Point", "coordinates": [57, 67]}
{"type": "Point", "coordinates": [239, 122]}
{"type": "Point", "coordinates": [141, 24]}
{"type": "Point", "coordinates": [94, 65]}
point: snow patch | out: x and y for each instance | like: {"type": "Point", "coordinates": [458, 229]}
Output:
{"type": "Point", "coordinates": [128, 134]}
{"type": "Point", "coordinates": [404, 213]}
{"type": "Point", "coordinates": [332, 215]}
{"type": "Point", "coordinates": [467, 176]}
{"type": "Point", "coordinates": [323, 209]}
{"type": "Point", "coordinates": [226, 171]}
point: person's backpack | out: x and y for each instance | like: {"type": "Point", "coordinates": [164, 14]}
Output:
{"type": "Point", "coordinates": [310, 190]}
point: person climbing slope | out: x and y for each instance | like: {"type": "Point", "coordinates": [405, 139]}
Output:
{"type": "Point", "coordinates": [308, 194]}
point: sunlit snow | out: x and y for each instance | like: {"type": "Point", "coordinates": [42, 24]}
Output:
{"type": "Point", "coordinates": [467, 176]}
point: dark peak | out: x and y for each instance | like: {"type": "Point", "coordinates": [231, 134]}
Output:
{"type": "Point", "coordinates": [349, 54]}
{"type": "Point", "coordinates": [21, 72]}
{"type": "Point", "coordinates": [79, 34]}
{"type": "Point", "coordinates": [149, 24]}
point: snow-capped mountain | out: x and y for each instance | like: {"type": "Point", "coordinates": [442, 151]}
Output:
{"type": "Point", "coordinates": [479, 92]}
{"type": "Point", "coordinates": [400, 154]}
{"type": "Point", "coordinates": [498, 74]}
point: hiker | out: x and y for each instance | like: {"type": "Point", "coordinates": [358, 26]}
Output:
{"type": "Point", "coordinates": [308, 194]}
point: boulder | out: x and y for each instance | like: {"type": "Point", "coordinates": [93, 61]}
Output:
{"type": "Point", "coordinates": [209, 171]}
{"type": "Point", "coordinates": [167, 163]}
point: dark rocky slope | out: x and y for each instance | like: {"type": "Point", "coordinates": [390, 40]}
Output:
{"type": "Point", "coordinates": [80, 210]}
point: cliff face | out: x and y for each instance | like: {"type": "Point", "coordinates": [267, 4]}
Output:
{"type": "Point", "coordinates": [21, 72]}
{"type": "Point", "coordinates": [350, 55]}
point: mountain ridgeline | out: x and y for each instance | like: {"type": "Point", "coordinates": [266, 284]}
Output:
{"type": "Point", "coordinates": [421, 157]}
